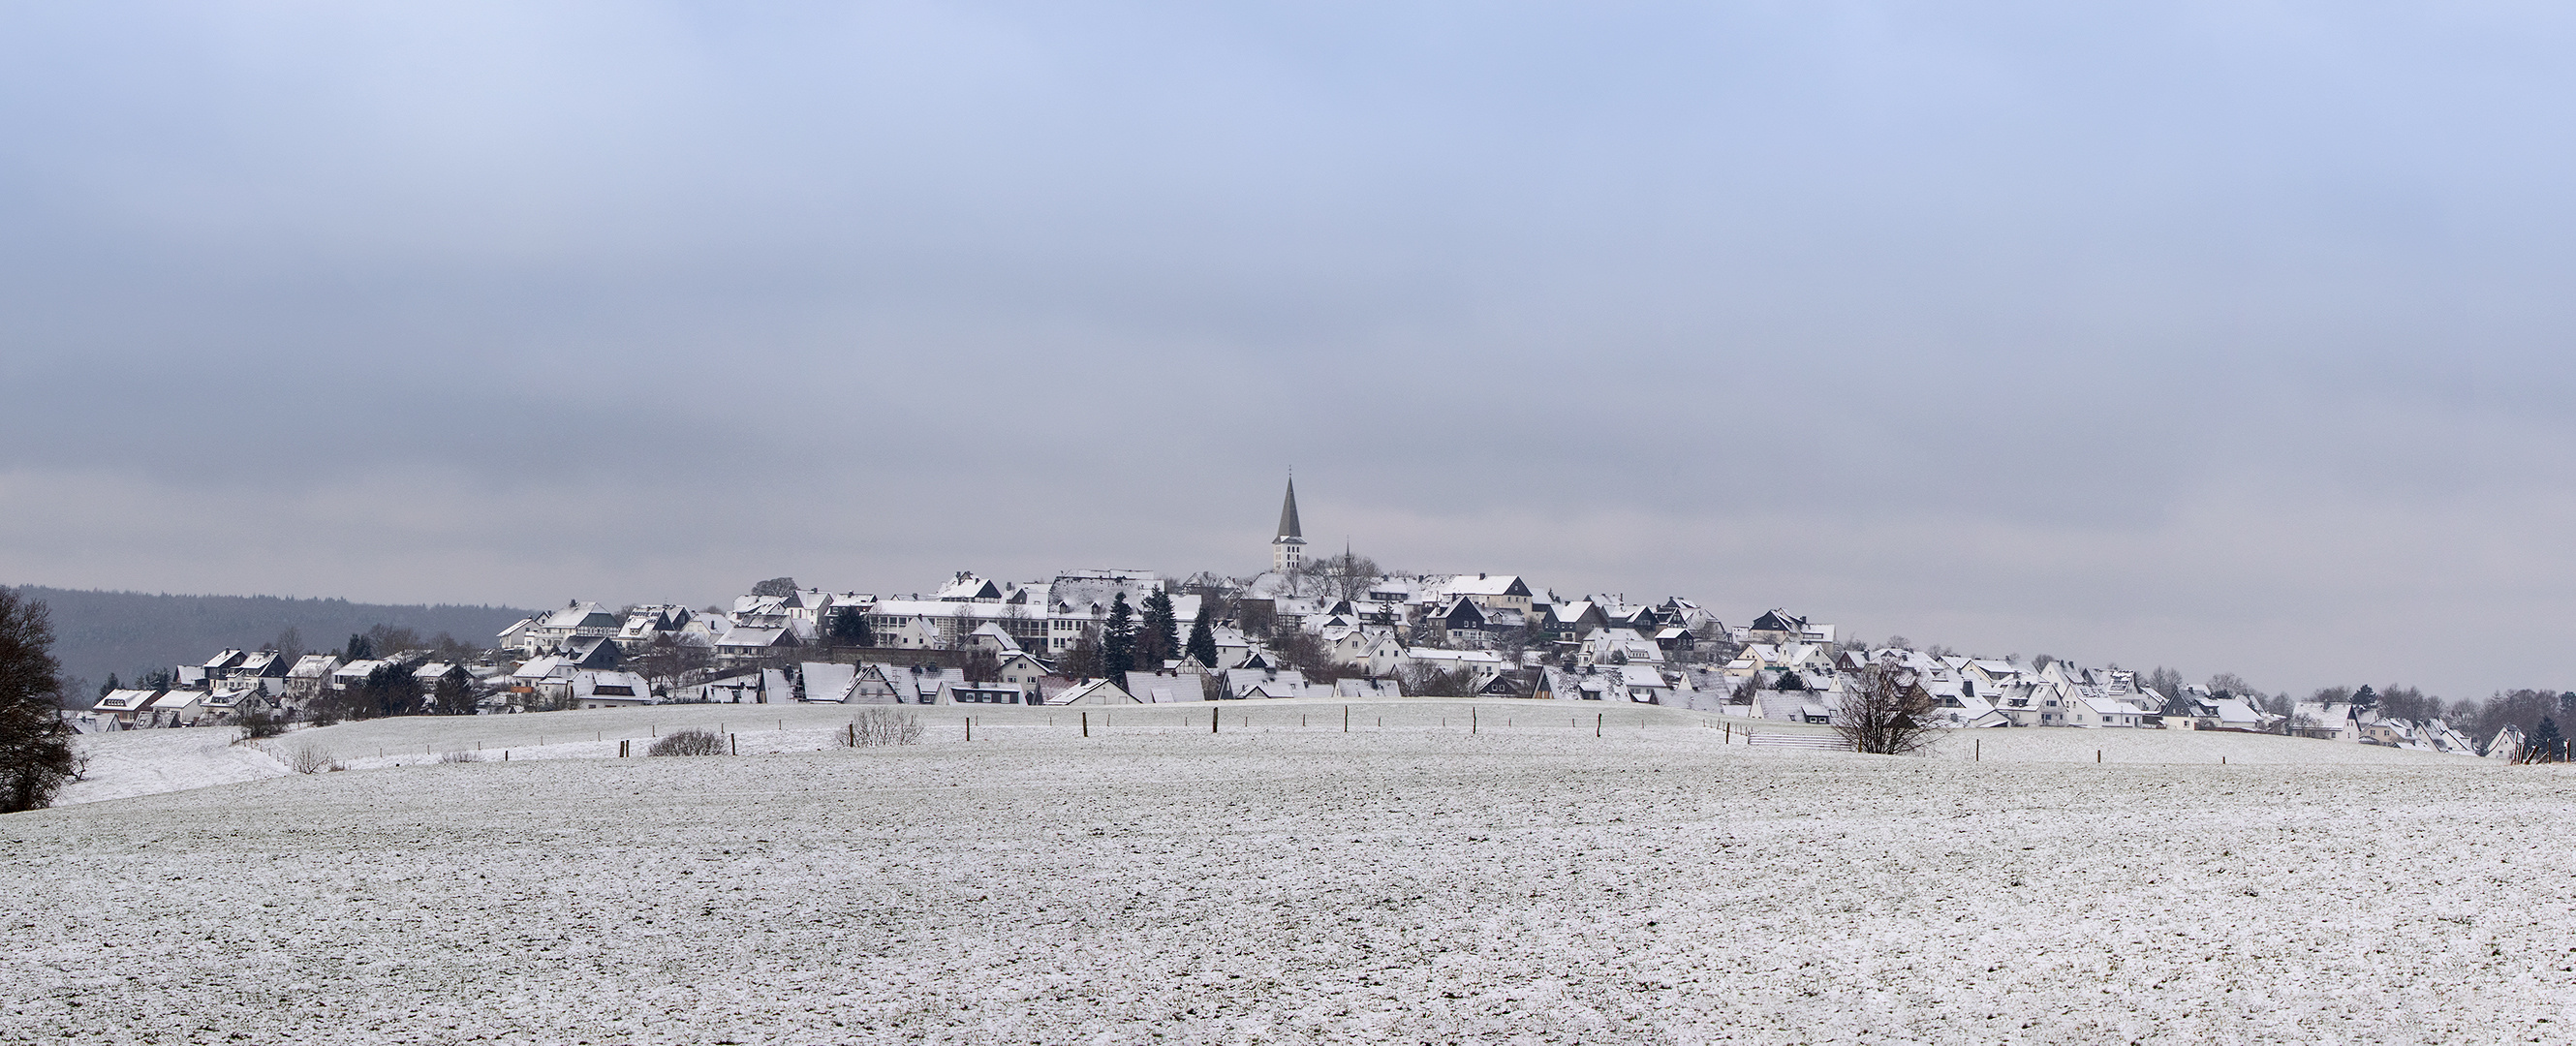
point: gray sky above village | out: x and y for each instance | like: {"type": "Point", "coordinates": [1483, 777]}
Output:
{"type": "Point", "coordinates": [2226, 336]}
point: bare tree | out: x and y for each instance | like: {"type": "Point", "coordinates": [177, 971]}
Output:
{"type": "Point", "coordinates": [1426, 681]}
{"type": "Point", "coordinates": [1885, 711]}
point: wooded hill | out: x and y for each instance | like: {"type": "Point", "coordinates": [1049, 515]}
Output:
{"type": "Point", "coordinates": [130, 633]}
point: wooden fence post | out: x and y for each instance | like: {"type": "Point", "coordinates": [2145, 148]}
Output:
{"type": "Point", "coordinates": [735, 743]}
{"type": "Point", "coordinates": [1086, 724]}
{"type": "Point", "coordinates": [1597, 717]}
{"type": "Point", "coordinates": [1346, 719]}
{"type": "Point", "coordinates": [1212, 714]}
{"type": "Point", "coordinates": [970, 728]}
{"type": "Point", "coordinates": [1979, 755]}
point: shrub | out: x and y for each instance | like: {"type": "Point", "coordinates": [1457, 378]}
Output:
{"type": "Point", "coordinates": [307, 759]}
{"type": "Point", "coordinates": [460, 756]}
{"type": "Point", "coordinates": [689, 742]}
{"type": "Point", "coordinates": [257, 724]}
{"type": "Point", "coordinates": [882, 726]}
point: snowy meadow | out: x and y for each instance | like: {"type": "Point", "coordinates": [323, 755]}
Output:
{"type": "Point", "coordinates": [1445, 871]}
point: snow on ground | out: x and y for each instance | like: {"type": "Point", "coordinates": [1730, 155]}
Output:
{"type": "Point", "coordinates": [1285, 883]}
{"type": "Point", "coordinates": [143, 762]}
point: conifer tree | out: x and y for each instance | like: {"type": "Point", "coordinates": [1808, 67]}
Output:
{"type": "Point", "coordinates": [1161, 639]}
{"type": "Point", "coordinates": [1203, 637]}
{"type": "Point", "coordinates": [1118, 639]}
{"type": "Point", "coordinates": [2546, 745]}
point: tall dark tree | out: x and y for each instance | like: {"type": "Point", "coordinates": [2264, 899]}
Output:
{"type": "Point", "coordinates": [111, 686]}
{"type": "Point", "coordinates": [777, 586]}
{"type": "Point", "coordinates": [1160, 639]}
{"type": "Point", "coordinates": [35, 742]}
{"type": "Point", "coordinates": [453, 695]}
{"type": "Point", "coordinates": [359, 648]}
{"type": "Point", "coordinates": [1118, 639]}
{"type": "Point", "coordinates": [2546, 744]}
{"type": "Point", "coordinates": [850, 628]}
{"type": "Point", "coordinates": [390, 690]}
{"type": "Point", "coordinates": [1203, 637]}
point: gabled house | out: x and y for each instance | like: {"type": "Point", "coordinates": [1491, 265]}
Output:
{"type": "Point", "coordinates": [2326, 720]}
{"type": "Point", "coordinates": [123, 706]}
{"type": "Point", "coordinates": [1094, 692]}
{"type": "Point", "coordinates": [609, 690]}
{"type": "Point", "coordinates": [310, 674]}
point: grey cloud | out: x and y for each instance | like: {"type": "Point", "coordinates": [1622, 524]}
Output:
{"type": "Point", "coordinates": [2227, 335]}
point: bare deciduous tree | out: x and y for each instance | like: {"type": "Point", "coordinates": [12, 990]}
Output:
{"type": "Point", "coordinates": [1885, 712]}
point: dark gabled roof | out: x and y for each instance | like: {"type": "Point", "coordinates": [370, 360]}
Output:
{"type": "Point", "coordinates": [1775, 621]}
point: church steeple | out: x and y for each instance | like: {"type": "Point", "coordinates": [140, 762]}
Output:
{"type": "Point", "coordinates": [1288, 550]}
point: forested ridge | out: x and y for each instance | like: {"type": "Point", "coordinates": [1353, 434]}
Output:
{"type": "Point", "coordinates": [99, 633]}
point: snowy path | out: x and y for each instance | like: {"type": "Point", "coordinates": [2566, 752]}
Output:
{"type": "Point", "coordinates": [1410, 883]}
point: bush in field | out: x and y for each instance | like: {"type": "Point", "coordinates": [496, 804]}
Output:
{"type": "Point", "coordinates": [306, 759]}
{"type": "Point", "coordinates": [689, 742]}
{"type": "Point", "coordinates": [882, 726]}
{"type": "Point", "coordinates": [257, 725]}
{"type": "Point", "coordinates": [460, 756]}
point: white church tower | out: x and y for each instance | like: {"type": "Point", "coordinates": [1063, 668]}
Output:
{"type": "Point", "coordinates": [1288, 550]}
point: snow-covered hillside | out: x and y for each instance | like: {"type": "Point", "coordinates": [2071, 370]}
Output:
{"type": "Point", "coordinates": [1279, 882]}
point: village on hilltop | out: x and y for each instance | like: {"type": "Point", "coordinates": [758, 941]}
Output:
{"type": "Point", "coordinates": [1332, 627]}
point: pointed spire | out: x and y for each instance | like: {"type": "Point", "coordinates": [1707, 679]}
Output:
{"type": "Point", "coordinates": [1288, 513]}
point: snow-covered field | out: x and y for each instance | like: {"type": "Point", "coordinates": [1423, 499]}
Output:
{"type": "Point", "coordinates": [1280, 882]}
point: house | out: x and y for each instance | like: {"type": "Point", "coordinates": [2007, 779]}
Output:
{"type": "Point", "coordinates": [960, 692]}
{"type": "Point", "coordinates": [355, 673]}
{"type": "Point", "coordinates": [743, 644]}
{"type": "Point", "coordinates": [310, 674]}
{"type": "Point", "coordinates": [1481, 666]}
{"type": "Point", "coordinates": [1644, 684]}
{"type": "Point", "coordinates": [609, 690]}
{"type": "Point", "coordinates": [1569, 622]}
{"type": "Point", "coordinates": [222, 703]}
{"type": "Point", "coordinates": [827, 683]}
{"type": "Point", "coordinates": [177, 708]}
{"type": "Point", "coordinates": [1094, 692]}
{"type": "Point", "coordinates": [2326, 720]}
{"type": "Point", "coordinates": [1777, 627]}
{"type": "Point", "coordinates": [1163, 688]}
{"type": "Point", "coordinates": [123, 706]}
{"type": "Point", "coordinates": [575, 619]}
{"type": "Point", "coordinates": [1243, 684]}
{"type": "Point", "coordinates": [2097, 712]}
{"type": "Point", "coordinates": [591, 653]}
{"type": "Point", "coordinates": [257, 664]}
{"type": "Point", "coordinates": [1491, 593]}
{"type": "Point", "coordinates": [993, 637]}
{"type": "Point", "coordinates": [2507, 744]}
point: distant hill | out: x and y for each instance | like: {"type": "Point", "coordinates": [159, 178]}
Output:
{"type": "Point", "coordinates": [128, 633]}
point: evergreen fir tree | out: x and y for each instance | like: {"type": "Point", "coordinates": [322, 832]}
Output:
{"type": "Point", "coordinates": [111, 686]}
{"type": "Point", "coordinates": [1118, 639]}
{"type": "Point", "coordinates": [359, 649]}
{"type": "Point", "coordinates": [1203, 637]}
{"type": "Point", "coordinates": [1160, 640]}
{"type": "Point", "coordinates": [2546, 745]}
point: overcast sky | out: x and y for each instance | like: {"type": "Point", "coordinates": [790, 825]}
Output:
{"type": "Point", "coordinates": [2228, 336]}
